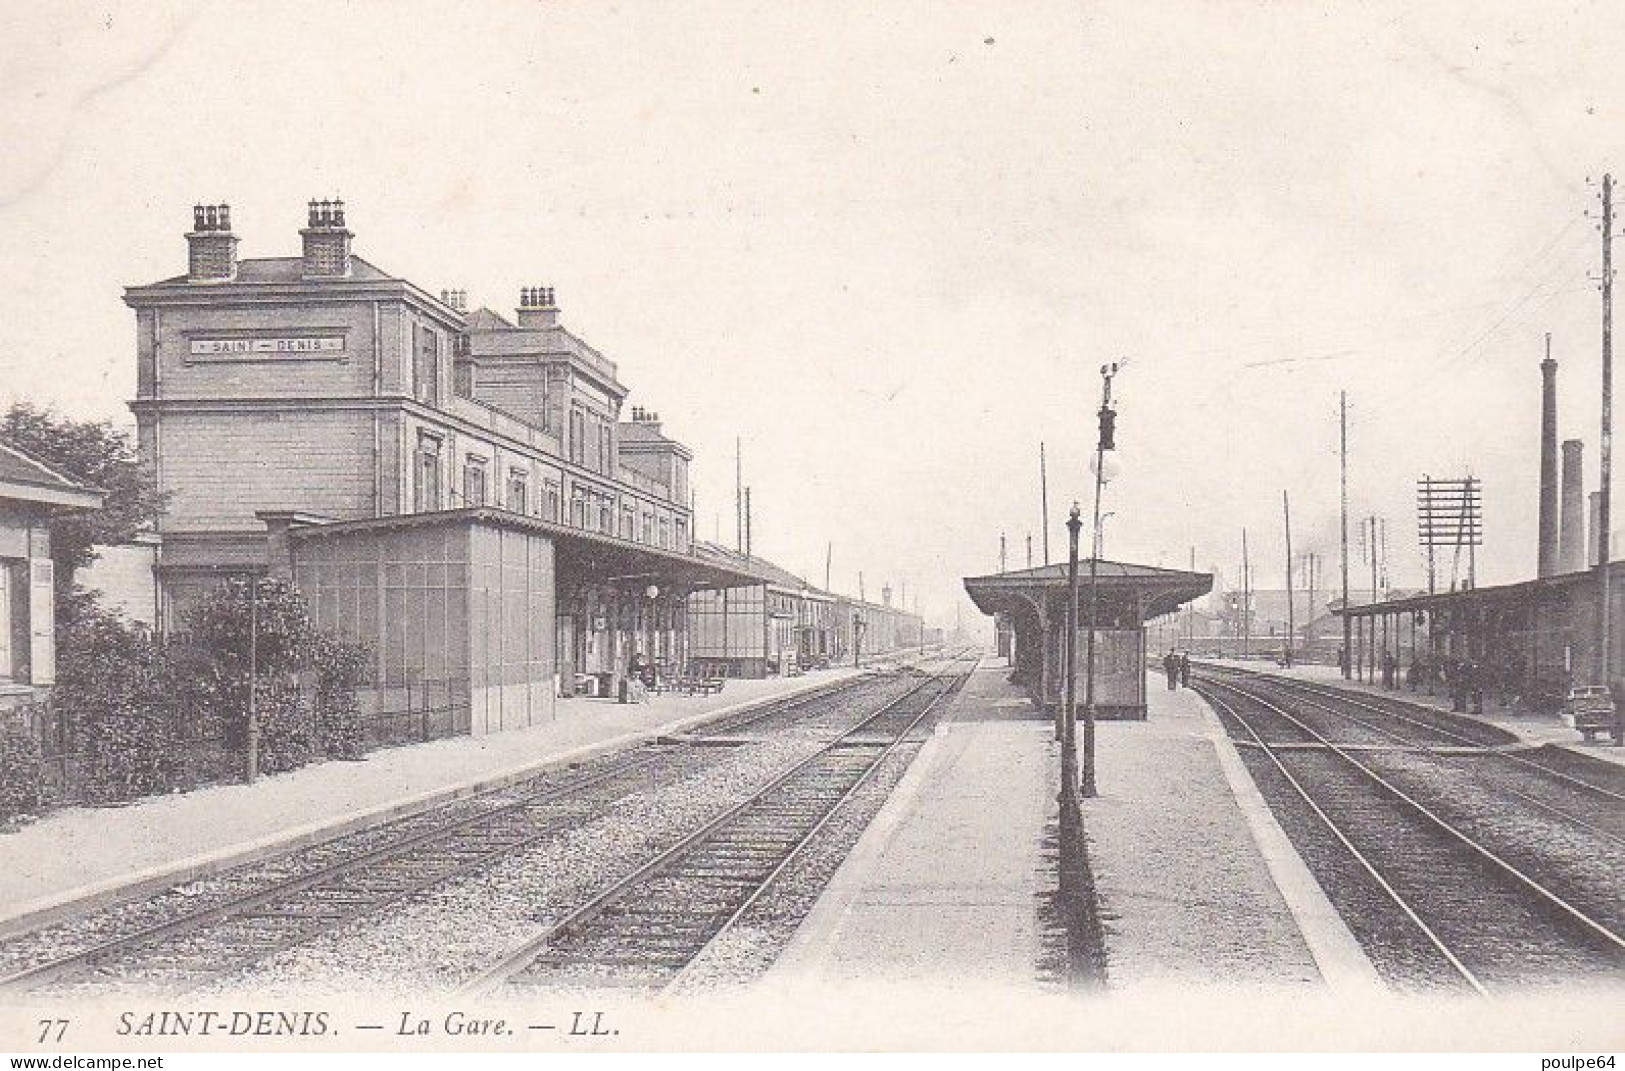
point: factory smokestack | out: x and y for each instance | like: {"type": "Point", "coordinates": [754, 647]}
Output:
{"type": "Point", "coordinates": [1546, 563]}
{"type": "Point", "coordinates": [1571, 546]}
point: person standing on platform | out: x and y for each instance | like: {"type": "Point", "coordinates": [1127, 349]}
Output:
{"type": "Point", "coordinates": [1616, 689]}
{"type": "Point", "coordinates": [1170, 666]}
{"type": "Point", "coordinates": [1184, 669]}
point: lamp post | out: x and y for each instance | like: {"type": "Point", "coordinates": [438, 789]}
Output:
{"type": "Point", "coordinates": [1107, 441]}
{"type": "Point", "coordinates": [1070, 806]}
{"type": "Point", "coordinates": [253, 759]}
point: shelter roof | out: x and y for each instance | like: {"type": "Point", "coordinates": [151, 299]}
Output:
{"type": "Point", "coordinates": [591, 557]}
{"type": "Point", "coordinates": [1497, 594]}
{"type": "Point", "coordinates": [1162, 589]}
{"type": "Point", "coordinates": [26, 478]}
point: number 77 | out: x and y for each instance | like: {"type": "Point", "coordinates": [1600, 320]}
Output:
{"type": "Point", "coordinates": [48, 1026]}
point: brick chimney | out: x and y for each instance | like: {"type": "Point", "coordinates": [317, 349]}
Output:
{"type": "Point", "coordinates": [1546, 560]}
{"type": "Point", "coordinates": [1571, 533]}
{"type": "Point", "coordinates": [536, 308]}
{"type": "Point", "coordinates": [211, 247]}
{"type": "Point", "coordinates": [327, 241]}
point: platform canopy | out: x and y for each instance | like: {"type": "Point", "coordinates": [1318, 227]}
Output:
{"type": "Point", "coordinates": [1129, 594]}
{"type": "Point", "coordinates": [582, 557]}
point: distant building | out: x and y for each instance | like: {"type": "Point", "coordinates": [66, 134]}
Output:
{"type": "Point", "coordinates": [785, 622]}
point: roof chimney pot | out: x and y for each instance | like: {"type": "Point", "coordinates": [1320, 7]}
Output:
{"type": "Point", "coordinates": [536, 308]}
{"type": "Point", "coordinates": [211, 247]}
{"type": "Point", "coordinates": [327, 241]}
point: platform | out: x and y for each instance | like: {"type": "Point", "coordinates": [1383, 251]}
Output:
{"type": "Point", "coordinates": [1533, 729]}
{"type": "Point", "coordinates": [81, 856]}
{"type": "Point", "coordinates": [1196, 882]}
{"type": "Point", "coordinates": [947, 880]}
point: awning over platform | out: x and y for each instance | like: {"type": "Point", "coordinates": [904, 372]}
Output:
{"type": "Point", "coordinates": [582, 557]}
{"type": "Point", "coordinates": [1501, 595]}
{"type": "Point", "coordinates": [1152, 591]}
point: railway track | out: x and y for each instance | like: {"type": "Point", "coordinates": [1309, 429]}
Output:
{"type": "Point", "coordinates": [648, 929]}
{"type": "Point", "coordinates": [1448, 729]}
{"type": "Point", "coordinates": [187, 940]}
{"type": "Point", "coordinates": [1434, 901]}
{"type": "Point", "coordinates": [1595, 809]}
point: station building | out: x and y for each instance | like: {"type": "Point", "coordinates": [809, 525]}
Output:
{"type": "Point", "coordinates": [455, 488]}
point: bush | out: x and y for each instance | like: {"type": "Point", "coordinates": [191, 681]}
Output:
{"type": "Point", "coordinates": [341, 668]}
{"type": "Point", "coordinates": [113, 688]}
{"type": "Point", "coordinates": [21, 772]}
{"type": "Point", "coordinates": [264, 626]}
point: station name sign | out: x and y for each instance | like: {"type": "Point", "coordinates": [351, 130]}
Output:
{"type": "Point", "coordinates": [231, 347]}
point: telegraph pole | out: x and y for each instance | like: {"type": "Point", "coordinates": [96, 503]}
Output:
{"type": "Point", "coordinates": [1246, 600]}
{"type": "Point", "coordinates": [1190, 611]}
{"type": "Point", "coordinates": [1604, 624]}
{"type": "Point", "coordinates": [1371, 647]}
{"type": "Point", "coordinates": [1043, 497]}
{"type": "Point", "coordinates": [1343, 467]}
{"type": "Point", "coordinates": [1312, 564]}
{"type": "Point", "coordinates": [1291, 617]}
{"type": "Point", "coordinates": [739, 497]}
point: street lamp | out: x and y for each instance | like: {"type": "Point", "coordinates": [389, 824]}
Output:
{"type": "Point", "coordinates": [1071, 814]}
{"type": "Point", "coordinates": [1107, 441]}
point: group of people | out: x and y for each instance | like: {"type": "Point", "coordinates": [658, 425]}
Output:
{"type": "Point", "coordinates": [1177, 665]}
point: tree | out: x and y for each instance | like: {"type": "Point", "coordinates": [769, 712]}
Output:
{"type": "Point", "coordinates": [97, 454]}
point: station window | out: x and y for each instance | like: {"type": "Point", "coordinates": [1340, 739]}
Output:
{"type": "Point", "coordinates": [427, 492]}
{"type": "Point", "coordinates": [550, 500]}
{"type": "Point", "coordinates": [682, 534]}
{"type": "Point", "coordinates": [426, 366]}
{"type": "Point", "coordinates": [474, 482]}
{"type": "Point", "coordinates": [628, 523]}
{"type": "Point", "coordinates": [578, 425]}
{"type": "Point", "coordinates": [665, 532]}
{"type": "Point", "coordinates": [578, 508]}
{"type": "Point", "coordinates": [518, 491]}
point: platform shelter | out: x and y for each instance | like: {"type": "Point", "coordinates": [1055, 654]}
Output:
{"type": "Point", "coordinates": [1033, 601]}
{"type": "Point", "coordinates": [1534, 639]}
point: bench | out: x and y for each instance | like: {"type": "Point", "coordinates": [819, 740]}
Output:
{"type": "Point", "coordinates": [700, 685]}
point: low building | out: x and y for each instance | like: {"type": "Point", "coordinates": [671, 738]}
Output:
{"type": "Point", "coordinates": [30, 492]}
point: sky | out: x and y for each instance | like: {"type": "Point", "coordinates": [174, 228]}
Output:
{"type": "Point", "coordinates": [888, 246]}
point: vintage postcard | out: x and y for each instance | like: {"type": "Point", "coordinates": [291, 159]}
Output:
{"type": "Point", "coordinates": [575, 527]}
